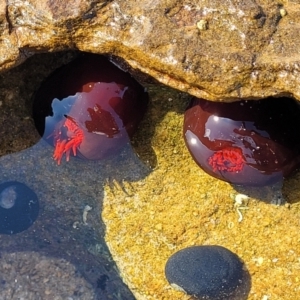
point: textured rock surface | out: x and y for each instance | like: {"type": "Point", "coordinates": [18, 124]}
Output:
{"type": "Point", "coordinates": [218, 50]}
{"type": "Point", "coordinates": [178, 205]}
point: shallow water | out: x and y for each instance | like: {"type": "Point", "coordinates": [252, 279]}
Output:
{"type": "Point", "coordinates": [178, 205]}
{"type": "Point", "coordinates": [63, 254]}
{"type": "Point", "coordinates": [153, 199]}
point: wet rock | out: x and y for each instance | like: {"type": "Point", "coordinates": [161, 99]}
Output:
{"type": "Point", "coordinates": [206, 272]}
{"type": "Point", "coordinates": [212, 49]}
{"type": "Point", "coordinates": [19, 207]}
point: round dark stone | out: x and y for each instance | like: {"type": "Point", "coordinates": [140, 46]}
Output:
{"type": "Point", "coordinates": [206, 272]}
{"type": "Point", "coordinates": [19, 207]}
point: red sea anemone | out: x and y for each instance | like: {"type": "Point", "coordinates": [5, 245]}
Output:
{"type": "Point", "coordinates": [228, 159]}
{"type": "Point", "coordinates": [88, 108]}
{"type": "Point", "coordinates": [246, 142]}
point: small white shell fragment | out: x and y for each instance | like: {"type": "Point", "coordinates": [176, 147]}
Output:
{"type": "Point", "coordinates": [75, 224]}
{"type": "Point", "coordinates": [202, 25]}
{"type": "Point", "coordinates": [240, 203]}
{"type": "Point", "coordinates": [282, 12]}
{"type": "Point", "coordinates": [86, 209]}
{"type": "Point", "coordinates": [239, 198]}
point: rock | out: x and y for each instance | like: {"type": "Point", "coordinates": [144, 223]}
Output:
{"type": "Point", "coordinates": [206, 272]}
{"type": "Point", "coordinates": [178, 205]}
{"type": "Point", "coordinates": [211, 49]}
{"type": "Point", "coordinates": [19, 207]}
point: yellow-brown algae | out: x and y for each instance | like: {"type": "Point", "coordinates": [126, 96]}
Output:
{"type": "Point", "coordinates": [177, 205]}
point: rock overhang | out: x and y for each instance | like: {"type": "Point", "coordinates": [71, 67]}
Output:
{"type": "Point", "coordinates": [220, 51]}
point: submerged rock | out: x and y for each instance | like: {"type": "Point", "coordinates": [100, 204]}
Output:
{"type": "Point", "coordinates": [206, 272]}
{"type": "Point", "coordinates": [211, 49]}
{"type": "Point", "coordinates": [19, 207]}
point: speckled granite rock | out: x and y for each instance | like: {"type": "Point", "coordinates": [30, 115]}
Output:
{"type": "Point", "coordinates": [212, 49]}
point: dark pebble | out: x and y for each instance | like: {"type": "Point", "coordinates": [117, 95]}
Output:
{"type": "Point", "coordinates": [205, 272]}
{"type": "Point", "coordinates": [19, 207]}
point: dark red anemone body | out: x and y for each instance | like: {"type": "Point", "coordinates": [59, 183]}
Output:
{"type": "Point", "coordinates": [89, 108]}
{"type": "Point", "coordinates": [246, 142]}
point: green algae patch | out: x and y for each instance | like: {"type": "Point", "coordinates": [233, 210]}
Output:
{"type": "Point", "coordinates": [178, 205]}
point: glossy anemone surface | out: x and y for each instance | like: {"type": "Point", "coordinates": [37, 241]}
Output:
{"type": "Point", "coordinates": [252, 143]}
{"type": "Point", "coordinates": [89, 108]}
{"type": "Point", "coordinates": [19, 207]}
